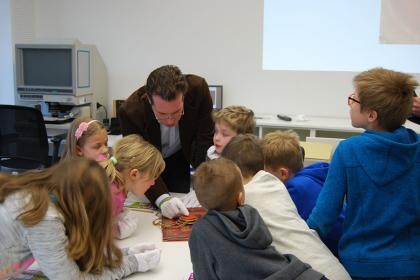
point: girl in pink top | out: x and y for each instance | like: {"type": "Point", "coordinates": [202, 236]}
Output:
{"type": "Point", "coordinates": [133, 167]}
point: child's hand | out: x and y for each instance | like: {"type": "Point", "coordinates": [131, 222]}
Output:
{"type": "Point", "coordinates": [127, 224]}
{"type": "Point", "coordinates": [147, 259]}
{"type": "Point", "coordinates": [173, 207]}
{"type": "Point", "coordinates": [141, 248]}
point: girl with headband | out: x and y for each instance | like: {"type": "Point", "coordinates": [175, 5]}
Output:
{"type": "Point", "coordinates": [133, 167]}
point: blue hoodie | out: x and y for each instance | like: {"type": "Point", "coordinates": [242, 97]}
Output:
{"type": "Point", "coordinates": [304, 188]}
{"type": "Point", "coordinates": [378, 175]}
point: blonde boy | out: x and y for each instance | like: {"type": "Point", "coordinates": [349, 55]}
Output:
{"type": "Point", "coordinates": [377, 173]}
{"type": "Point", "coordinates": [231, 241]}
{"type": "Point", "coordinates": [229, 122]}
{"type": "Point", "coordinates": [283, 158]}
{"type": "Point", "coordinates": [269, 196]}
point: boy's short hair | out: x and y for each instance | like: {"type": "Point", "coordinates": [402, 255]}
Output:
{"type": "Point", "coordinates": [217, 183]}
{"type": "Point", "coordinates": [245, 150]}
{"type": "Point", "coordinates": [239, 118]}
{"type": "Point", "coordinates": [282, 148]}
{"type": "Point", "coordinates": [387, 92]}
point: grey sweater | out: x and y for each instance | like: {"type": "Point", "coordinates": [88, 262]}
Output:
{"type": "Point", "coordinates": [236, 245]}
{"type": "Point", "coordinates": [46, 242]}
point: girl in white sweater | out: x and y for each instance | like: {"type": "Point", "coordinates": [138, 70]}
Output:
{"type": "Point", "coordinates": [58, 217]}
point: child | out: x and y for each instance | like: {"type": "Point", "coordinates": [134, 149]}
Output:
{"type": "Point", "coordinates": [231, 241]}
{"type": "Point", "coordinates": [377, 174]}
{"type": "Point", "coordinates": [269, 196]}
{"type": "Point", "coordinates": [283, 158]}
{"type": "Point", "coordinates": [88, 138]}
{"type": "Point", "coordinates": [61, 218]}
{"type": "Point", "coordinates": [134, 166]}
{"type": "Point", "coordinates": [229, 122]}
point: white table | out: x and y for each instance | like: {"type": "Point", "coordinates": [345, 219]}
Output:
{"type": "Point", "coordinates": [175, 262]}
{"type": "Point", "coordinates": [314, 124]}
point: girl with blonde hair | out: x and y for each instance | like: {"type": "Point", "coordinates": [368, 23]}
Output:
{"type": "Point", "coordinates": [88, 138]}
{"type": "Point", "coordinates": [59, 218]}
{"type": "Point", "coordinates": [134, 166]}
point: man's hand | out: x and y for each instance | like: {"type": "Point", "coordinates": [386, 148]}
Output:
{"type": "Point", "coordinates": [173, 207]}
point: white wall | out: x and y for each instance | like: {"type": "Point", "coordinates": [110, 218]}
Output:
{"type": "Point", "coordinates": [220, 40]}
{"type": "Point", "coordinates": [6, 51]}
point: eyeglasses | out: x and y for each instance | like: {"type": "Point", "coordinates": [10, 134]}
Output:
{"type": "Point", "coordinates": [351, 100]}
{"type": "Point", "coordinates": [167, 116]}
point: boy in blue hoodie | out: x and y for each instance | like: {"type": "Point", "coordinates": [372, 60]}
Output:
{"type": "Point", "coordinates": [377, 174]}
{"type": "Point", "coordinates": [232, 241]}
{"type": "Point", "coordinates": [283, 158]}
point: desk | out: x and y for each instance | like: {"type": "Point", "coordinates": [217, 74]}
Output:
{"type": "Point", "coordinates": [314, 124]}
{"type": "Point", "coordinates": [175, 262]}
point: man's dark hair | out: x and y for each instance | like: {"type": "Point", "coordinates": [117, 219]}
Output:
{"type": "Point", "coordinates": [167, 82]}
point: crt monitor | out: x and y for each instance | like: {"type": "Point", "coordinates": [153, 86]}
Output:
{"type": "Point", "coordinates": [54, 73]}
{"type": "Point", "coordinates": [47, 67]}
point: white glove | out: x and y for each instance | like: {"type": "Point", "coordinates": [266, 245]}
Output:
{"type": "Point", "coordinates": [190, 200]}
{"type": "Point", "coordinates": [146, 258]}
{"type": "Point", "coordinates": [173, 207]}
{"type": "Point", "coordinates": [139, 248]}
{"type": "Point", "coordinates": [127, 224]}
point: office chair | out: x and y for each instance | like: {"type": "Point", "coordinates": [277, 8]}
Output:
{"type": "Point", "coordinates": [23, 139]}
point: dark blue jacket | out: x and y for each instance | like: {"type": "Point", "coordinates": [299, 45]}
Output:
{"type": "Point", "coordinates": [304, 189]}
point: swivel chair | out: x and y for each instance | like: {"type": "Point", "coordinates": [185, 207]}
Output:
{"type": "Point", "coordinates": [23, 139]}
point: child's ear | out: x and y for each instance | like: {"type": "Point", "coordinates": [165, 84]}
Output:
{"type": "Point", "coordinates": [373, 116]}
{"type": "Point", "coordinates": [285, 174]}
{"type": "Point", "coordinates": [282, 173]}
{"type": "Point", "coordinates": [240, 198]}
{"type": "Point", "coordinates": [134, 173]}
{"type": "Point", "coordinates": [79, 151]}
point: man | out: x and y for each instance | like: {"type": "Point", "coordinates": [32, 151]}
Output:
{"type": "Point", "coordinates": [173, 112]}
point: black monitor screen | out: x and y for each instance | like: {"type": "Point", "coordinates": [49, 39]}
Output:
{"type": "Point", "coordinates": [47, 67]}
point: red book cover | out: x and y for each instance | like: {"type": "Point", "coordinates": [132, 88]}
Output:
{"type": "Point", "coordinates": [179, 229]}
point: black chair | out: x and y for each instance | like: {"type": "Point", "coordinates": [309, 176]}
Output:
{"type": "Point", "coordinates": [23, 139]}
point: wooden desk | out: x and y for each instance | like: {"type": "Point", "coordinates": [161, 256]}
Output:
{"type": "Point", "coordinates": [175, 262]}
{"type": "Point", "coordinates": [314, 124]}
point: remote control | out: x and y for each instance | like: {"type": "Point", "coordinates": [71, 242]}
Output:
{"type": "Point", "coordinates": [284, 118]}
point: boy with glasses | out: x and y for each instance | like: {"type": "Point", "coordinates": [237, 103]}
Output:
{"type": "Point", "coordinates": [377, 174]}
{"type": "Point", "coordinates": [173, 112]}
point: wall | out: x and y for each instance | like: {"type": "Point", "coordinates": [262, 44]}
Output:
{"type": "Point", "coordinates": [6, 51]}
{"type": "Point", "coordinates": [220, 40]}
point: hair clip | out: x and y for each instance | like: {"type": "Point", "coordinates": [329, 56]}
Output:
{"type": "Point", "coordinates": [83, 126]}
{"type": "Point", "coordinates": [113, 160]}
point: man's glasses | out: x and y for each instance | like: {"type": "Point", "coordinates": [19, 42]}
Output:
{"type": "Point", "coordinates": [167, 116]}
{"type": "Point", "coordinates": [351, 100]}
